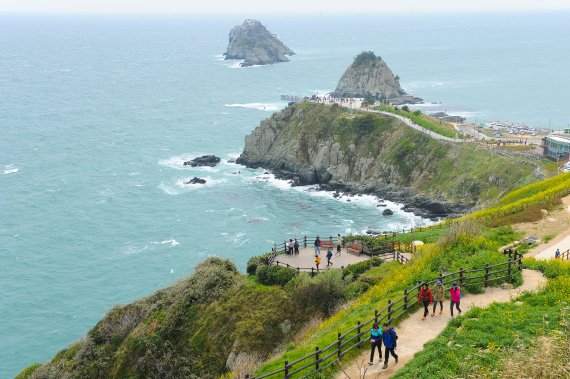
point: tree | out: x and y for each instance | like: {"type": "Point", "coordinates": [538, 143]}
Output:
{"type": "Point", "coordinates": [405, 108]}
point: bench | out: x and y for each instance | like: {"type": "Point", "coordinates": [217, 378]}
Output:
{"type": "Point", "coordinates": [355, 248]}
{"type": "Point", "coordinates": [326, 244]}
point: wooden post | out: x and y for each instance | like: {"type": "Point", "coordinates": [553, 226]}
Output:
{"type": "Point", "coordinates": [486, 275]}
{"type": "Point", "coordinates": [509, 270]}
{"type": "Point", "coordinates": [317, 358]}
{"type": "Point", "coordinates": [312, 272]}
{"type": "Point", "coordinates": [405, 300]}
{"type": "Point", "coordinates": [338, 346]}
{"type": "Point", "coordinates": [376, 316]}
{"type": "Point", "coordinates": [461, 276]}
{"type": "Point", "coordinates": [358, 329]}
{"type": "Point", "coordinates": [389, 311]}
{"type": "Point", "coordinates": [286, 369]}
{"type": "Point", "coordinates": [520, 261]}
{"type": "Point", "coordinates": [246, 376]}
{"type": "Point", "coordinates": [305, 241]}
{"type": "Point", "coordinates": [285, 247]}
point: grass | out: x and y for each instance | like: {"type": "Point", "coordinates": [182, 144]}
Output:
{"type": "Point", "coordinates": [482, 342]}
{"type": "Point", "coordinates": [430, 123]}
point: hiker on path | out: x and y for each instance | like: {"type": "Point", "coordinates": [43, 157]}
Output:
{"type": "Point", "coordinates": [290, 247]}
{"type": "Point", "coordinates": [296, 246]}
{"type": "Point", "coordinates": [557, 254]}
{"type": "Point", "coordinates": [317, 245]}
{"type": "Point", "coordinates": [425, 297]}
{"type": "Point", "coordinates": [329, 256]}
{"type": "Point", "coordinates": [438, 297]}
{"type": "Point", "coordinates": [375, 342]}
{"type": "Point", "coordinates": [317, 261]}
{"type": "Point", "coordinates": [389, 337]}
{"type": "Point", "coordinates": [455, 292]}
{"type": "Point", "coordinates": [338, 244]}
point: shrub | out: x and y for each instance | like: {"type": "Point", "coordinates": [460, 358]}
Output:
{"type": "Point", "coordinates": [319, 294]}
{"type": "Point", "coordinates": [28, 371]}
{"type": "Point", "coordinates": [256, 261]}
{"type": "Point", "coordinates": [274, 275]}
{"type": "Point", "coordinates": [365, 57]}
{"type": "Point", "coordinates": [405, 108]}
{"type": "Point", "coordinates": [211, 279]}
{"type": "Point", "coordinates": [417, 112]}
{"type": "Point", "coordinates": [359, 268]}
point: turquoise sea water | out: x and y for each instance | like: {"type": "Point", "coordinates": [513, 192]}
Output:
{"type": "Point", "coordinates": [97, 115]}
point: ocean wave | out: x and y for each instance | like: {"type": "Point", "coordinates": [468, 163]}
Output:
{"type": "Point", "coordinates": [258, 106]}
{"type": "Point", "coordinates": [10, 169]}
{"type": "Point", "coordinates": [171, 242]}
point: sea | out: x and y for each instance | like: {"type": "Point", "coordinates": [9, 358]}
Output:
{"type": "Point", "coordinates": [99, 113]}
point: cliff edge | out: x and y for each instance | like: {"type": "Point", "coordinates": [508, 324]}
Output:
{"type": "Point", "coordinates": [253, 43]}
{"type": "Point", "coordinates": [363, 152]}
{"type": "Point", "coordinates": [368, 76]}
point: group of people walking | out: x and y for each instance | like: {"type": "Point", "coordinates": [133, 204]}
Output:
{"type": "Point", "coordinates": [318, 244]}
{"type": "Point", "coordinates": [387, 336]}
{"type": "Point", "coordinates": [426, 297]}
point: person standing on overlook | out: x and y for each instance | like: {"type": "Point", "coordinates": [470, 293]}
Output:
{"type": "Point", "coordinates": [317, 261]}
{"type": "Point", "coordinates": [425, 297]}
{"type": "Point", "coordinates": [317, 245]}
{"type": "Point", "coordinates": [296, 246]}
{"type": "Point", "coordinates": [338, 244]}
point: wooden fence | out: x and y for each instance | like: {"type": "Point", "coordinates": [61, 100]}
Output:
{"type": "Point", "coordinates": [324, 357]}
{"type": "Point", "coordinates": [565, 255]}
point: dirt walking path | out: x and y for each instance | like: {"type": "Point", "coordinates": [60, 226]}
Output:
{"type": "Point", "coordinates": [413, 333]}
{"type": "Point", "coordinates": [559, 225]}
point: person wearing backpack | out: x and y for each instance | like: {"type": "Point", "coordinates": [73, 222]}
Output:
{"type": "Point", "coordinates": [375, 342]}
{"type": "Point", "coordinates": [317, 245]}
{"type": "Point", "coordinates": [425, 297]}
{"type": "Point", "coordinates": [296, 246]}
{"type": "Point", "coordinates": [455, 292]}
{"type": "Point", "coordinates": [389, 337]}
{"type": "Point", "coordinates": [438, 297]}
{"type": "Point", "coordinates": [329, 256]}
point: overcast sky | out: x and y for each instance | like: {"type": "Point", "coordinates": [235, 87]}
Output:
{"type": "Point", "coordinates": [244, 7]}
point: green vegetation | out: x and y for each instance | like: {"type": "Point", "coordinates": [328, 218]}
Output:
{"type": "Point", "coordinates": [483, 342]}
{"type": "Point", "coordinates": [463, 246]}
{"type": "Point", "coordinates": [365, 57]}
{"type": "Point", "coordinates": [28, 371]}
{"type": "Point", "coordinates": [430, 123]}
{"type": "Point", "coordinates": [274, 275]}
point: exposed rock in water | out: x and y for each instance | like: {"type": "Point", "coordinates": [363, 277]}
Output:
{"type": "Point", "coordinates": [204, 160]}
{"type": "Point", "coordinates": [253, 43]}
{"type": "Point", "coordinates": [368, 76]}
{"type": "Point", "coordinates": [196, 180]}
{"type": "Point", "coordinates": [231, 160]}
{"type": "Point", "coordinates": [387, 212]}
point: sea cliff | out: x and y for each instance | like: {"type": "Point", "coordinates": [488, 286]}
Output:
{"type": "Point", "coordinates": [361, 152]}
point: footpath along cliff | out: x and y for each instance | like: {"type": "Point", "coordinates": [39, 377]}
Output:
{"type": "Point", "coordinates": [361, 152]}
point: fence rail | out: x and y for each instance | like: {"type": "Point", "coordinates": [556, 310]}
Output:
{"type": "Point", "coordinates": [565, 255]}
{"type": "Point", "coordinates": [322, 358]}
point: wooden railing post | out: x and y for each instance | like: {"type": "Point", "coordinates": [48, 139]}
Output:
{"type": "Point", "coordinates": [312, 272]}
{"type": "Point", "coordinates": [461, 276]}
{"type": "Point", "coordinates": [520, 261]}
{"type": "Point", "coordinates": [509, 269]}
{"type": "Point", "coordinates": [358, 330]}
{"type": "Point", "coordinates": [405, 300]}
{"type": "Point", "coordinates": [339, 342]}
{"type": "Point", "coordinates": [389, 311]}
{"type": "Point", "coordinates": [487, 276]}
{"type": "Point", "coordinates": [305, 241]}
{"type": "Point", "coordinates": [317, 362]}
{"type": "Point", "coordinates": [376, 316]}
{"type": "Point", "coordinates": [286, 369]}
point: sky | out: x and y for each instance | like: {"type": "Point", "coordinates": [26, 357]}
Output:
{"type": "Point", "coordinates": [253, 7]}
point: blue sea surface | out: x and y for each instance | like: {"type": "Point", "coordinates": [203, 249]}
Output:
{"type": "Point", "coordinates": [98, 114]}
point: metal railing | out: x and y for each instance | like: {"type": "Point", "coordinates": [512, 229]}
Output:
{"type": "Point", "coordinates": [324, 357]}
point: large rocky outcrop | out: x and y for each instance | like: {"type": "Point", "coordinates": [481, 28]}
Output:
{"type": "Point", "coordinates": [369, 153]}
{"type": "Point", "coordinates": [368, 76]}
{"type": "Point", "coordinates": [253, 43]}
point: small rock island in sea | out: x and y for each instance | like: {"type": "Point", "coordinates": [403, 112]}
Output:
{"type": "Point", "coordinates": [253, 43]}
{"type": "Point", "coordinates": [370, 76]}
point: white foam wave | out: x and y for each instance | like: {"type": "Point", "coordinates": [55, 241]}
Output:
{"type": "Point", "coordinates": [258, 106]}
{"type": "Point", "coordinates": [177, 162]}
{"type": "Point", "coordinates": [10, 169]}
{"type": "Point", "coordinates": [171, 242]}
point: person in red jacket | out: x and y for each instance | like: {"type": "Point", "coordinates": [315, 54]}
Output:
{"type": "Point", "coordinates": [425, 297]}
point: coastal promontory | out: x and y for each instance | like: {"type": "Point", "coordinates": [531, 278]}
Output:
{"type": "Point", "coordinates": [255, 45]}
{"type": "Point", "coordinates": [368, 76]}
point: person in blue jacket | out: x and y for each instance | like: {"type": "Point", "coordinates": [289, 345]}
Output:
{"type": "Point", "coordinates": [389, 337]}
{"type": "Point", "coordinates": [375, 342]}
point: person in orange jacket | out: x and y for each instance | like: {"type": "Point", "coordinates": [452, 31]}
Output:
{"type": "Point", "coordinates": [425, 297]}
{"type": "Point", "coordinates": [317, 261]}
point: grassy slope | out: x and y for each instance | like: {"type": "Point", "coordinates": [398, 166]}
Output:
{"type": "Point", "coordinates": [483, 340]}
{"type": "Point", "coordinates": [456, 172]}
{"type": "Point", "coordinates": [431, 123]}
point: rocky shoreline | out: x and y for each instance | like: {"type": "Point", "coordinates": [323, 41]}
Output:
{"type": "Point", "coordinates": [418, 205]}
